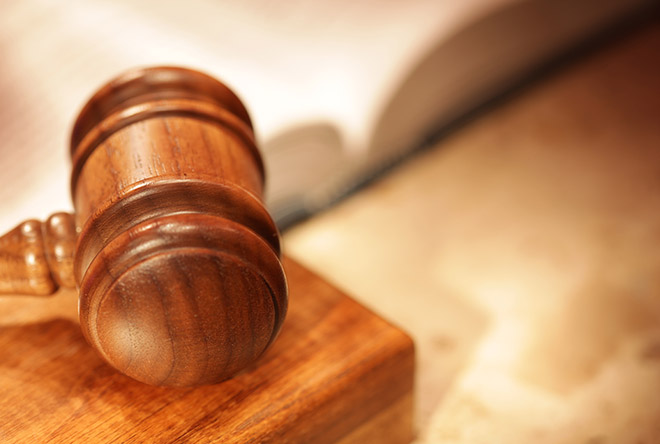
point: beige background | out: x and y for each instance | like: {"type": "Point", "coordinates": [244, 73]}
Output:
{"type": "Point", "coordinates": [521, 253]}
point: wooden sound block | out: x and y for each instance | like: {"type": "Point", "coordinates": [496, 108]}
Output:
{"type": "Point", "coordinates": [337, 373]}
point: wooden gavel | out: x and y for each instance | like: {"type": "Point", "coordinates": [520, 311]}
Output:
{"type": "Point", "coordinates": [175, 257]}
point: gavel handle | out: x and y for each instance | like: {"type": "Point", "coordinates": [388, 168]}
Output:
{"type": "Point", "coordinates": [37, 258]}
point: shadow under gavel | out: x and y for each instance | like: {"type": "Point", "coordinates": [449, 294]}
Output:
{"type": "Point", "coordinates": [176, 259]}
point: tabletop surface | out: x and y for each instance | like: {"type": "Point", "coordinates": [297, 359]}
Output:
{"type": "Point", "coordinates": [521, 252]}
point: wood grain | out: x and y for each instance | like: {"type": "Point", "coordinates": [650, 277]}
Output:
{"type": "Point", "coordinates": [176, 258]}
{"type": "Point", "coordinates": [36, 258]}
{"type": "Point", "coordinates": [336, 372]}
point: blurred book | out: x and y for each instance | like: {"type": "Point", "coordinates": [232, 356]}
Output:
{"type": "Point", "coordinates": [337, 90]}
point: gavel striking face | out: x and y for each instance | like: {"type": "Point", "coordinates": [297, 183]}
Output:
{"type": "Point", "coordinates": [175, 256]}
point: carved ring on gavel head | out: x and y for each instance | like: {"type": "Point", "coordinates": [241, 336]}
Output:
{"type": "Point", "coordinates": [176, 259]}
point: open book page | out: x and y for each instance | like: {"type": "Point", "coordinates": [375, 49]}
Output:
{"type": "Point", "coordinates": [320, 79]}
{"type": "Point", "coordinates": [482, 50]}
{"type": "Point", "coordinates": [293, 63]}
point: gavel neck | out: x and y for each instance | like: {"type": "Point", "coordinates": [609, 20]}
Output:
{"type": "Point", "coordinates": [36, 258]}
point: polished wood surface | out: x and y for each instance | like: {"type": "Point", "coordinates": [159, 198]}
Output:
{"type": "Point", "coordinates": [176, 258]}
{"type": "Point", "coordinates": [37, 258]}
{"type": "Point", "coordinates": [337, 373]}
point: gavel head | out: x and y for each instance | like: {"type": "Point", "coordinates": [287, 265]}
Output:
{"type": "Point", "coordinates": [177, 259]}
